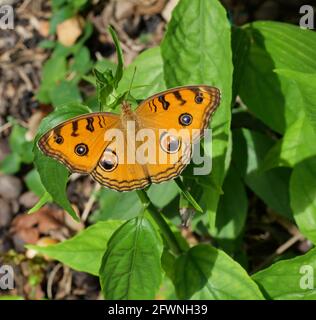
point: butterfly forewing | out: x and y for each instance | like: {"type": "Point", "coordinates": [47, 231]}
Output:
{"type": "Point", "coordinates": [188, 108]}
{"type": "Point", "coordinates": [79, 142]}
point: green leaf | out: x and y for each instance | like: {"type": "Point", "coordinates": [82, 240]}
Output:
{"type": "Point", "coordinates": [232, 211]}
{"type": "Point", "coordinates": [291, 279]}
{"type": "Point", "coordinates": [106, 83]}
{"type": "Point", "coordinates": [57, 4]}
{"type": "Point", "coordinates": [92, 103]}
{"type": "Point", "coordinates": [105, 88]}
{"type": "Point", "coordinates": [204, 272]}
{"type": "Point", "coordinates": [296, 145]}
{"type": "Point", "coordinates": [276, 45]}
{"type": "Point", "coordinates": [53, 71]}
{"type": "Point", "coordinates": [26, 153]}
{"type": "Point", "coordinates": [17, 138]}
{"type": "Point", "coordinates": [149, 74]}
{"type": "Point", "coordinates": [306, 83]}
{"type": "Point", "coordinates": [45, 198]}
{"type": "Point", "coordinates": [64, 93]}
{"type": "Point", "coordinates": [87, 32]}
{"type": "Point", "coordinates": [166, 291]}
{"type": "Point", "coordinates": [162, 194]}
{"type": "Point", "coordinates": [303, 197]}
{"type": "Point", "coordinates": [54, 175]}
{"type": "Point", "coordinates": [59, 16]}
{"type": "Point", "coordinates": [240, 48]}
{"type": "Point", "coordinates": [125, 206]}
{"type": "Point", "coordinates": [21, 151]}
{"type": "Point", "coordinates": [272, 186]}
{"type": "Point", "coordinates": [117, 205]}
{"type": "Point", "coordinates": [47, 44]}
{"type": "Point", "coordinates": [82, 62]}
{"type": "Point", "coordinates": [11, 163]}
{"type": "Point", "coordinates": [78, 4]}
{"type": "Point", "coordinates": [202, 55]}
{"type": "Point", "coordinates": [131, 267]}
{"type": "Point", "coordinates": [33, 182]}
{"type": "Point", "coordinates": [61, 114]}
{"type": "Point", "coordinates": [119, 70]}
{"type": "Point", "coordinates": [186, 193]}
{"type": "Point", "coordinates": [104, 64]}
{"type": "Point", "coordinates": [168, 261]}
{"type": "Point", "coordinates": [84, 251]}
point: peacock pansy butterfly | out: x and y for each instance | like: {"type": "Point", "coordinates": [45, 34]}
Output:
{"type": "Point", "coordinates": [84, 143]}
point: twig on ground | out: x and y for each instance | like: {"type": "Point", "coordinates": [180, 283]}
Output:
{"type": "Point", "coordinates": [280, 250]}
{"type": "Point", "coordinates": [289, 243]}
{"type": "Point", "coordinates": [6, 126]}
{"type": "Point", "coordinates": [50, 280]}
{"type": "Point", "coordinates": [90, 203]}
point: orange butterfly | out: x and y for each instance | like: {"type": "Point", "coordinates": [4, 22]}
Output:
{"type": "Point", "coordinates": [83, 143]}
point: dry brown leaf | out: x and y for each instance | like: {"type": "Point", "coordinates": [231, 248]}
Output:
{"type": "Point", "coordinates": [167, 11]}
{"type": "Point", "coordinates": [69, 31]}
{"type": "Point", "coordinates": [34, 122]}
{"type": "Point", "coordinates": [29, 228]}
{"type": "Point", "coordinates": [43, 28]}
{"type": "Point", "coordinates": [30, 235]}
{"type": "Point", "coordinates": [150, 7]}
{"type": "Point", "coordinates": [124, 9]}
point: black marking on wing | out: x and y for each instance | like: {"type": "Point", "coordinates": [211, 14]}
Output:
{"type": "Point", "coordinates": [198, 95]}
{"type": "Point", "coordinates": [103, 121]}
{"type": "Point", "coordinates": [100, 122]}
{"type": "Point", "coordinates": [178, 96]}
{"type": "Point", "coordinates": [150, 106]}
{"type": "Point", "coordinates": [153, 102]}
{"type": "Point", "coordinates": [58, 138]}
{"type": "Point", "coordinates": [57, 131]}
{"type": "Point", "coordinates": [89, 125]}
{"type": "Point", "coordinates": [75, 129]}
{"type": "Point", "coordinates": [165, 104]}
{"type": "Point", "coordinates": [196, 91]}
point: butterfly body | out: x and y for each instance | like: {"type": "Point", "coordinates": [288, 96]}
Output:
{"type": "Point", "coordinates": [110, 147]}
{"type": "Point", "coordinates": [128, 114]}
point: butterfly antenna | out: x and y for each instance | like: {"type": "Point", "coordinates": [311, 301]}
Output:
{"type": "Point", "coordinates": [130, 86]}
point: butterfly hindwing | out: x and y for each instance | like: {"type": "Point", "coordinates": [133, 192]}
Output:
{"type": "Point", "coordinates": [115, 171]}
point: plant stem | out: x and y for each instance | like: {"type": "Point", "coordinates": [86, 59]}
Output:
{"type": "Point", "coordinates": [164, 227]}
